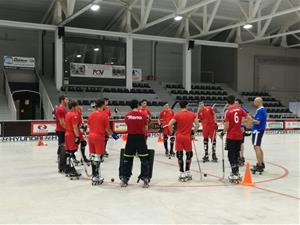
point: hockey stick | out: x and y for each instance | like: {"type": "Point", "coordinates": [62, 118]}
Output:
{"type": "Point", "coordinates": [223, 162]}
{"type": "Point", "coordinates": [198, 162]}
{"type": "Point", "coordinates": [84, 164]}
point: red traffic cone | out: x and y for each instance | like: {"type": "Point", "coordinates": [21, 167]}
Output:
{"type": "Point", "coordinates": [41, 143]}
{"type": "Point", "coordinates": [248, 177]}
{"type": "Point", "coordinates": [160, 139]}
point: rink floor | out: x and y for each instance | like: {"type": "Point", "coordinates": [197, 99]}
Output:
{"type": "Point", "coordinates": [31, 190]}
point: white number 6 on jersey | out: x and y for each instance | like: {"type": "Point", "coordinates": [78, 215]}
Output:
{"type": "Point", "coordinates": [236, 117]}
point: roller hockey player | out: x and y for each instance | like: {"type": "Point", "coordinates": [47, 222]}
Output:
{"type": "Point", "coordinates": [107, 111]}
{"type": "Point", "coordinates": [239, 103]}
{"type": "Point", "coordinates": [82, 129]}
{"type": "Point", "coordinates": [164, 118]}
{"type": "Point", "coordinates": [208, 118]}
{"type": "Point", "coordinates": [146, 112]}
{"type": "Point", "coordinates": [184, 120]}
{"type": "Point", "coordinates": [136, 144]}
{"type": "Point", "coordinates": [98, 123]}
{"type": "Point", "coordinates": [60, 113]}
{"type": "Point", "coordinates": [258, 129]}
{"type": "Point", "coordinates": [72, 140]}
{"type": "Point", "coordinates": [232, 126]}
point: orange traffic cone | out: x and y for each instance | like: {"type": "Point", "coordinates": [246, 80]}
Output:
{"type": "Point", "coordinates": [160, 139]}
{"type": "Point", "coordinates": [41, 143]}
{"type": "Point", "coordinates": [248, 177]}
{"type": "Point", "coordinates": [124, 137]}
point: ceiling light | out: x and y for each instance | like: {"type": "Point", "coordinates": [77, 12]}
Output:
{"type": "Point", "coordinates": [178, 18]}
{"type": "Point", "coordinates": [95, 7]}
{"type": "Point", "coordinates": [78, 56]}
{"type": "Point", "coordinates": [96, 49]}
{"type": "Point", "coordinates": [247, 26]}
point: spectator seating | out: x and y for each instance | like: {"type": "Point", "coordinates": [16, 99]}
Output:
{"type": "Point", "coordinates": [87, 102]}
{"type": "Point", "coordinates": [273, 106]}
{"type": "Point", "coordinates": [147, 90]}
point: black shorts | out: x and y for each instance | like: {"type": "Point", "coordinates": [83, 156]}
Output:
{"type": "Point", "coordinates": [136, 143]}
{"type": "Point", "coordinates": [257, 137]}
{"type": "Point", "coordinates": [233, 145]}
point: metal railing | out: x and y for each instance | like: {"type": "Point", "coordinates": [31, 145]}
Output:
{"type": "Point", "coordinates": [46, 102]}
{"type": "Point", "coordinates": [9, 97]}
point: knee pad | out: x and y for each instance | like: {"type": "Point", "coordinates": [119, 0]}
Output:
{"type": "Point", "coordinates": [165, 138]}
{"type": "Point", "coordinates": [83, 143]}
{"type": "Point", "coordinates": [179, 155]}
{"type": "Point", "coordinates": [189, 155]}
{"type": "Point", "coordinates": [95, 158]}
{"type": "Point", "coordinates": [205, 141]}
{"type": "Point", "coordinates": [172, 139]}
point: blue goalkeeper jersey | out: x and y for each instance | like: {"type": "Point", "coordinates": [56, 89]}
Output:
{"type": "Point", "coordinates": [261, 115]}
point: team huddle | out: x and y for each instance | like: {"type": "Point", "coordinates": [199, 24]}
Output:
{"type": "Point", "coordinates": [177, 129]}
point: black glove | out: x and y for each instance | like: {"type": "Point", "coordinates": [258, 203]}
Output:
{"type": "Point", "coordinates": [192, 133]}
{"type": "Point", "coordinates": [83, 127]}
{"type": "Point", "coordinates": [222, 134]}
{"type": "Point", "coordinates": [77, 140]}
{"type": "Point", "coordinates": [115, 136]}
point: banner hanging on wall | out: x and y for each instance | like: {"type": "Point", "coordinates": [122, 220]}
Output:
{"type": "Point", "coordinates": [103, 71]}
{"type": "Point", "coordinates": [42, 128]}
{"type": "Point", "coordinates": [16, 62]}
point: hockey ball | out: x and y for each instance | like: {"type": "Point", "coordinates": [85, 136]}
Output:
{"type": "Point", "coordinates": [205, 175]}
{"type": "Point", "coordinates": [112, 180]}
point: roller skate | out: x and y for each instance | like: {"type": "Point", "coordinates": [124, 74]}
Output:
{"type": "Point", "coordinates": [241, 161]}
{"type": "Point", "coordinates": [146, 182]}
{"type": "Point", "coordinates": [73, 174]}
{"type": "Point", "coordinates": [182, 177]}
{"type": "Point", "coordinates": [205, 158]}
{"type": "Point", "coordinates": [235, 178]}
{"type": "Point", "coordinates": [172, 153]}
{"type": "Point", "coordinates": [124, 182]}
{"type": "Point", "coordinates": [188, 175]}
{"type": "Point", "coordinates": [214, 158]}
{"type": "Point", "coordinates": [257, 168]}
{"type": "Point", "coordinates": [166, 153]}
{"type": "Point", "coordinates": [97, 180]}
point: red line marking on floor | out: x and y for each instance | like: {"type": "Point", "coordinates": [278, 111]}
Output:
{"type": "Point", "coordinates": [286, 172]}
{"type": "Point", "coordinates": [279, 193]}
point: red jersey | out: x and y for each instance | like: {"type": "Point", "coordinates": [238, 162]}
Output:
{"type": "Point", "coordinates": [207, 116]}
{"type": "Point", "coordinates": [60, 113]}
{"type": "Point", "coordinates": [184, 122]}
{"type": "Point", "coordinates": [71, 119]}
{"type": "Point", "coordinates": [136, 122]}
{"type": "Point", "coordinates": [79, 112]}
{"type": "Point", "coordinates": [166, 115]}
{"type": "Point", "coordinates": [98, 122]}
{"type": "Point", "coordinates": [233, 116]}
{"type": "Point", "coordinates": [107, 111]}
{"type": "Point", "coordinates": [146, 112]}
